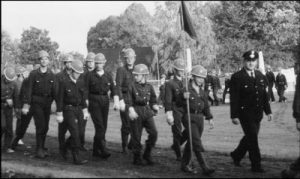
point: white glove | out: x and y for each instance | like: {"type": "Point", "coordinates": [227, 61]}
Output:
{"type": "Point", "coordinates": [122, 105]}
{"type": "Point", "coordinates": [25, 109]}
{"type": "Point", "coordinates": [235, 121]}
{"type": "Point", "coordinates": [170, 118]}
{"type": "Point", "coordinates": [132, 114]}
{"type": "Point", "coordinates": [186, 95]}
{"type": "Point", "coordinates": [116, 103]}
{"type": "Point", "coordinates": [211, 124]}
{"type": "Point", "coordinates": [87, 103]}
{"type": "Point", "coordinates": [59, 117]}
{"type": "Point", "coordinates": [9, 102]}
{"type": "Point", "coordinates": [86, 114]}
{"type": "Point", "coordinates": [155, 107]}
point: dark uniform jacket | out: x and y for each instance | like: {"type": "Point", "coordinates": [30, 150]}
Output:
{"type": "Point", "coordinates": [173, 91]}
{"type": "Point", "coordinates": [208, 83]}
{"type": "Point", "coordinates": [99, 85]}
{"type": "Point", "coordinates": [216, 83]}
{"type": "Point", "coordinates": [198, 102]}
{"type": "Point", "coordinates": [271, 78]}
{"type": "Point", "coordinates": [62, 76]}
{"type": "Point", "coordinates": [71, 94]}
{"type": "Point", "coordinates": [296, 103]}
{"type": "Point", "coordinates": [248, 94]}
{"type": "Point", "coordinates": [9, 90]}
{"type": "Point", "coordinates": [124, 78]}
{"type": "Point", "coordinates": [142, 97]}
{"type": "Point", "coordinates": [42, 87]}
{"type": "Point", "coordinates": [280, 80]}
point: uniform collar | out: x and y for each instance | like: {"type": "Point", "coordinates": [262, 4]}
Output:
{"type": "Point", "coordinates": [39, 70]}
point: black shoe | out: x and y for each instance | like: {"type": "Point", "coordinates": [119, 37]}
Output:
{"type": "Point", "coordinates": [14, 144]}
{"type": "Point", "coordinates": [258, 170]}
{"type": "Point", "coordinates": [40, 153]}
{"type": "Point", "coordinates": [208, 172]}
{"type": "Point", "coordinates": [235, 162]}
{"type": "Point", "coordinates": [82, 148]}
{"type": "Point", "coordinates": [77, 160]}
{"type": "Point", "coordinates": [177, 153]}
{"type": "Point", "coordinates": [188, 169]}
{"type": "Point", "coordinates": [124, 150]}
{"type": "Point", "coordinates": [64, 153]}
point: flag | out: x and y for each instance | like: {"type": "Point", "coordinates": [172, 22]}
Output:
{"type": "Point", "coordinates": [186, 23]}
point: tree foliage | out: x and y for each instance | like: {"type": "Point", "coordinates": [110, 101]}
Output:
{"type": "Point", "coordinates": [33, 40]}
{"type": "Point", "coordinates": [10, 51]}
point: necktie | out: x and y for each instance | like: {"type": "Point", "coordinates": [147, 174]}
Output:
{"type": "Point", "coordinates": [252, 75]}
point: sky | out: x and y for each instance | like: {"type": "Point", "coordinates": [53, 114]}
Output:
{"type": "Point", "coordinates": [68, 22]}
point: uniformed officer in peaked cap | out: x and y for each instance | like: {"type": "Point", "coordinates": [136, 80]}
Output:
{"type": "Point", "coordinates": [248, 101]}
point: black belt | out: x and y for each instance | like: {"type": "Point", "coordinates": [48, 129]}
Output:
{"type": "Point", "coordinates": [195, 111]}
{"type": "Point", "coordinates": [42, 95]}
{"type": "Point", "coordinates": [98, 93]}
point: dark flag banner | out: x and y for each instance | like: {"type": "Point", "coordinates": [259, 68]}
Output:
{"type": "Point", "coordinates": [186, 23]}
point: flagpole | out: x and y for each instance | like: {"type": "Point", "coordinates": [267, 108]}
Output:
{"type": "Point", "coordinates": [186, 87]}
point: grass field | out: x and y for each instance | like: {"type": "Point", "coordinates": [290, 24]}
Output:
{"type": "Point", "coordinates": [278, 140]}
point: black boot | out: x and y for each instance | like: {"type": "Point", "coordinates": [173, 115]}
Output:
{"type": "Point", "coordinates": [64, 151]}
{"type": "Point", "coordinates": [137, 160]}
{"type": "Point", "coordinates": [104, 152]}
{"type": "Point", "coordinates": [124, 143]}
{"type": "Point", "coordinates": [147, 155]}
{"type": "Point", "coordinates": [39, 150]}
{"type": "Point", "coordinates": [205, 169]}
{"type": "Point", "coordinates": [14, 143]}
{"type": "Point", "coordinates": [76, 159]}
{"type": "Point", "coordinates": [44, 148]}
{"type": "Point", "coordinates": [177, 152]}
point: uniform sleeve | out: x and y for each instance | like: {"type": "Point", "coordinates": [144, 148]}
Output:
{"type": "Point", "coordinates": [55, 88]}
{"type": "Point", "coordinates": [84, 95]}
{"type": "Point", "coordinates": [273, 77]}
{"type": "Point", "coordinates": [168, 96]}
{"type": "Point", "coordinates": [119, 81]}
{"type": "Point", "coordinates": [113, 88]}
{"type": "Point", "coordinates": [267, 107]}
{"type": "Point", "coordinates": [60, 97]}
{"type": "Point", "coordinates": [86, 78]}
{"type": "Point", "coordinates": [153, 98]}
{"type": "Point", "coordinates": [296, 103]}
{"type": "Point", "coordinates": [206, 110]}
{"type": "Point", "coordinates": [234, 97]}
{"type": "Point", "coordinates": [16, 96]}
{"type": "Point", "coordinates": [29, 89]}
{"type": "Point", "coordinates": [129, 95]}
{"type": "Point", "coordinates": [276, 81]}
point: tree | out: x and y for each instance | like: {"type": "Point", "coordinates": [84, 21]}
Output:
{"type": "Point", "coordinates": [10, 51]}
{"type": "Point", "coordinates": [33, 40]}
{"type": "Point", "coordinates": [269, 26]}
{"type": "Point", "coordinates": [134, 27]}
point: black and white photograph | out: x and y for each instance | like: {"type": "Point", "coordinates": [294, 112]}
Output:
{"type": "Point", "coordinates": [150, 89]}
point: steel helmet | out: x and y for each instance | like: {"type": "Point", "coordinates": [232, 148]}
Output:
{"type": "Point", "coordinates": [68, 58]}
{"type": "Point", "coordinates": [199, 71]}
{"type": "Point", "coordinates": [90, 57]}
{"type": "Point", "coordinates": [77, 66]}
{"type": "Point", "coordinates": [140, 69]}
{"type": "Point", "coordinates": [10, 73]}
{"type": "Point", "coordinates": [100, 58]}
{"type": "Point", "coordinates": [129, 52]}
{"type": "Point", "coordinates": [20, 70]}
{"type": "Point", "coordinates": [43, 53]}
{"type": "Point", "coordinates": [179, 64]}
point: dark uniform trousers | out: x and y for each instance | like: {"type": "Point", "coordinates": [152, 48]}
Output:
{"type": "Point", "coordinates": [199, 108]}
{"type": "Point", "coordinates": [8, 91]}
{"type": "Point", "coordinates": [98, 87]}
{"type": "Point", "coordinates": [248, 100]}
{"type": "Point", "coordinates": [24, 123]}
{"type": "Point", "coordinates": [99, 108]}
{"type": "Point", "coordinates": [42, 90]}
{"type": "Point", "coordinates": [137, 125]}
{"type": "Point", "coordinates": [174, 102]}
{"type": "Point", "coordinates": [270, 92]}
{"type": "Point", "coordinates": [124, 78]}
{"type": "Point", "coordinates": [72, 117]}
{"type": "Point", "coordinates": [6, 124]}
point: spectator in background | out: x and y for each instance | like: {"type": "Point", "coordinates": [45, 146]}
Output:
{"type": "Point", "coordinates": [227, 84]}
{"type": "Point", "coordinates": [281, 85]}
{"type": "Point", "coordinates": [271, 79]}
{"type": "Point", "coordinates": [161, 98]}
